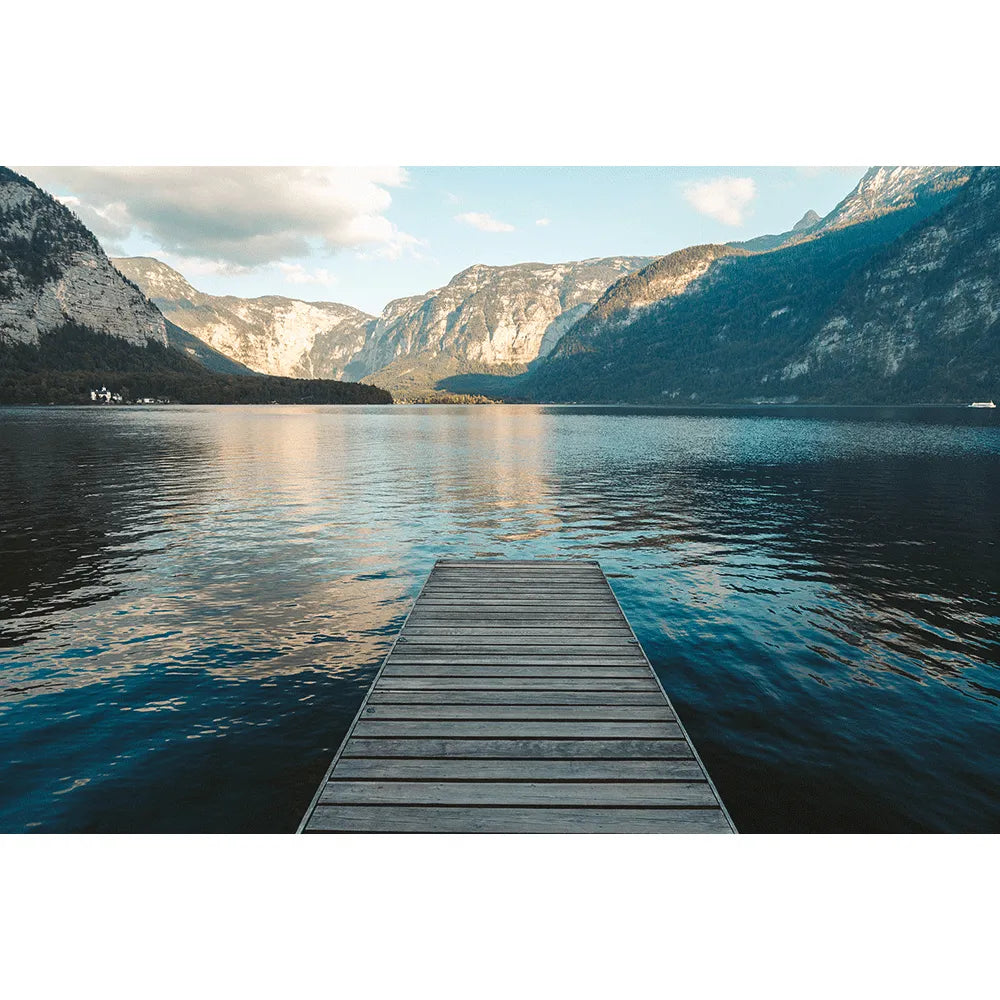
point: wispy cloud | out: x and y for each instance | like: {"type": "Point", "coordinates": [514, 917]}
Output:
{"type": "Point", "coordinates": [299, 274]}
{"type": "Point", "coordinates": [725, 199]}
{"type": "Point", "coordinates": [240, 216]}
{"type": "Point", "coordinates": [484, 222]}
{"type": "Point", "coordinates": [543, 222]}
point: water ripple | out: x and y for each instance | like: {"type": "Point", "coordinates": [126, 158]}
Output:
{"type": "Point", "coordinates": [193, 600]}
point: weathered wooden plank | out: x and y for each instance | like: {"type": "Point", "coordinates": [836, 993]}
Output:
{"type": "Point", "coordinates": [462, 819]}
{"type": "Point", "coordinates": [505, 612]}
{"type": "Point", "coordinates": [486, 655]}
{"type": "Point", "coordinates": [663, 794]}
{"type": "Point", "coordinates": [394, 696]}
{"type": "Point", "coordinates": [555, 597]}
{"type": "Point", "coordinates": [480, 586]}
{"type": "Point", "coordinates": [532, 580]}
{"type": "Point", "coordinates": [567, 749]}
{"type": "Point", "coordinates": [514, 633]}
{"type": "Point", "coordinates": [491, 657]}
{"type": "Point", "coordinates": [500, 597]}
{"type": "Point", "coordinates": [504, 729]}
{"type": "Point", "coordinates": [396, 682]}
{"type": "Point", "coordinates": [514, 603]}
{"type": "Point", "coordinates": [486, 769]}
{"type": "Point", "coordinates": [551, 713]}
{"type": "Point", "coordinates": [500, 670]}
{"type": "Point", "coordinates": [495, 653]}
{"type": "Point", "coordinates": [487, 563]}
{"type": "Point", "coordinates": [527, 619]}
{"type": "Point", "coordinates": [501, 640]}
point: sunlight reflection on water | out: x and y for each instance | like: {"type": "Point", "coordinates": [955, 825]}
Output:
{"type": "Point", "coordinates": [194, 599]}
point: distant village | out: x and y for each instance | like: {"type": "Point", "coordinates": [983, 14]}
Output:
{"type": "Point", "coordinates": [105, 395]}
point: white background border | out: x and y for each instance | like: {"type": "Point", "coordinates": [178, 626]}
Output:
{"type": "Point", "coordinates": [511, 83]}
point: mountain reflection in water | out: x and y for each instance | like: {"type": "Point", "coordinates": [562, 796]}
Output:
{"type": "Point", "coordinates": [193, 600]}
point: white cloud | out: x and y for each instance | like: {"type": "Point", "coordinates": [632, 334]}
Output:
{"type": "Point", "coordinates": [543, 222]}
{"type": "Point", "coordinates": [240, 216]}
{"type": "Point", "coordinates": [484, 222]}
{"type": "Point", "coordinates": [110, 221]}
{"type": "Point", "coordinates": [298, 274]}
{"type": "Point", "coordinates": [395, 247]}
{"type": "Point", "coordinates": [194, 267]}
{"type": "Point", "coordinates": [725, 199]}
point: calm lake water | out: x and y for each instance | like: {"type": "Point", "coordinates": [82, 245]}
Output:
{"type": "Point", "coordinates": [193, 600]}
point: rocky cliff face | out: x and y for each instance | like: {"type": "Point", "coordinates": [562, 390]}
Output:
{"type": "Point", "coordinates": [483, 318]}
{"type": "Point", "coordinates": [925, 310]}
{"type": "Point", "coordinates": [881, 191]}
{"type": "Point", "coordinates": [889, 189]}
{"type": "Point", "coordinates": [663, 279]}
{"type": "Point", "coordinates": [492, 315]}
{"type": "Point", "coordinates": [53, 271]}
{"type": "Point", "coordinates": [900, 306]}
{"type": "Point", "coordinates": [271, 334]}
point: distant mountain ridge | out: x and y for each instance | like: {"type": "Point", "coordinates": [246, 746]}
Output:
{"type": "Point", "coordinates": [880, 191]}
{"type": "Point", "coordinates": [808, 221]}
{"type": "Point", "coordinates": [490, 316]}
{"type": "Point", "coordinates": [487, 318]}
{"type": "Point", "coordinates": [925, 312]}
{"type": "Point", "coordinates": [892, 296]}
{"type": "Point", "coordinates": [71, 322]}
{"type": "Point", "coordinates": [270, 334]}
{"type": "Point", "coordinates": [888, 189]}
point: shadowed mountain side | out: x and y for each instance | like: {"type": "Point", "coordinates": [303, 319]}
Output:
{"type": "Point", "coordinates": [734, 331]}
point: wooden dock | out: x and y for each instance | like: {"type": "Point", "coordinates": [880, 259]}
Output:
{"type": "Point", "coordinates": [516, 699]}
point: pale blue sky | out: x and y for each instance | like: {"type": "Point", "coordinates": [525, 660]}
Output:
{"type": "Point", "coordinates": [364, 237]}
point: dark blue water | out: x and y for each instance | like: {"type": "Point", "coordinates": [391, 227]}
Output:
{"type": "Point", "coordinates": [193, 600]}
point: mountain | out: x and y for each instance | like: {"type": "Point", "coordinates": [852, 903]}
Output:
{"type": "Point", "coordinates": [53, 271]}
{"type": "Point", "coordinates": [807, 222]}
{"type": "Point", "coordinates": [197, 350]}
{"type": "Point", "coordinates": [664, 279]}
{"type": "Point", "coordinates": [806, 225]}
{"type": "Point", "coordinates": [270, 334]}
{"type": "Point", "coordinates": [70, 323]}
{"type": "Point", "coordinates": [881, 191]}
{"type": "Point", "coordinates": [786, 323]}
{"type": "Point", "coordinates": [888, 189]}
{"type": "Point", "coordinates": [922, 319]}
{"type": "Point", "coordinates": [486, 319]}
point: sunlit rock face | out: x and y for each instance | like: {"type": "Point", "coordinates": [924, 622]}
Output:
{"type": "Point", "coordinates": [485, 316]}
{"type": "Point", "coordinates": [492, 315]}
{"type": "Point", "coordinates": [934, 295]}
{"type": "Point", "coordinates": [53, 271]}
{"type": "Point", "coordinates": [881, 191]}
{"type": "Point", "coordinates": [888, 189]}
{"type": "Point", "coordinates": [626, 299]}
{"type": "Point", "coordinates": [270, 334]}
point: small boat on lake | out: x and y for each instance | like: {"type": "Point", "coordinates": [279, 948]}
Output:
{"type": "Point", "coordinates": [983, 406]}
